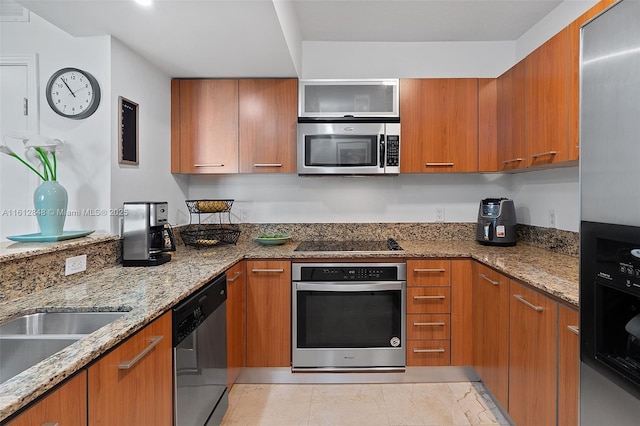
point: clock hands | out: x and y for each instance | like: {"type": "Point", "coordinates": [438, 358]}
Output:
{"type": "Point", "coordinates": [65, 83]}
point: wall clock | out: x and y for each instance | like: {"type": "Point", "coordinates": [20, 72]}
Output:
{"type": "Point", "coordinates": [73, 93]}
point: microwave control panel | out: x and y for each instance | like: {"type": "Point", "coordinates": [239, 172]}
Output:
{"type": "Point", "coordinates": [393, 150]}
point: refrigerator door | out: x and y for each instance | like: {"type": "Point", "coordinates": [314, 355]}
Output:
{"type": "Point", "coordinates": [610, 116]}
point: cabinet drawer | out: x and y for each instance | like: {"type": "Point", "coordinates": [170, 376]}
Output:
{"type": "Point", "coordinates": [429, 300]}
{"type": "Point", "coordinates": [428, 352]}
{"type": "Point", "coordinates": [431, 273]}
{"type": "Point", "coordinates": [428, 326]}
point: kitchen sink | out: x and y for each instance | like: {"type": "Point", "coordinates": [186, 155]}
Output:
{"type": "Point", "coordinates": [47, 323]}
{"type": "Point", "coordinates": [29, 339]}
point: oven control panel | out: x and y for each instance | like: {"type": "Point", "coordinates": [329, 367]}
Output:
{"type": "Point", "coordinates": [349, 272]}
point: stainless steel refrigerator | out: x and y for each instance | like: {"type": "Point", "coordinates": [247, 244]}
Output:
{"type": "Point", "coordinates": [610, 217]}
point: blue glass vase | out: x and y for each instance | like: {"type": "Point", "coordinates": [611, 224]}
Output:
{"type": "Point", "coordinates": [50, 202]}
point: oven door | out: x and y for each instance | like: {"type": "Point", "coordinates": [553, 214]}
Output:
{"type": "Point", "coordinates": [341, 148]}
{"type": "Point", "coordinates": [338, 325]}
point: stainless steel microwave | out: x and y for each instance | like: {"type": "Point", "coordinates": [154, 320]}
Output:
{"type": "Point", "coordinates": [343, 148]}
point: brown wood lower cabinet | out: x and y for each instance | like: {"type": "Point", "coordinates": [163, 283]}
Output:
{"type": "Point", "coordinates": [133, 384]}
{"type": "Point", "coordinates": [65, 406]}
{"type": "Point", "coordinates": [532, 357]}
{"type": "Point", "coordinates": [568, 366]}
{"type": "Point", "coordinates": [268, 313]}
{"type": "Point", "coordinates": [236, 321]}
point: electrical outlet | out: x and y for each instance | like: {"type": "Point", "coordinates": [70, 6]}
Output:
{"type": "Point", "coordinates": [439, 214]}
{"type": "Point", "coordinates": [75, 264]}
{"type": "Point", "coordinates": [552, 218]}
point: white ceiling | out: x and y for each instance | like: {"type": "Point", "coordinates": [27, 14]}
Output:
{"type": "Point", "coordinates": [245, 38]}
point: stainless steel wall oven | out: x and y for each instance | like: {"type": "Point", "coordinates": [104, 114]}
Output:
{"type": "Point", "coordinates": [348, 316]}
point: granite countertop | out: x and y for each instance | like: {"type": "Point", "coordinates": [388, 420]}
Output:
{"type": "Point", "coordinates": [146, 293]}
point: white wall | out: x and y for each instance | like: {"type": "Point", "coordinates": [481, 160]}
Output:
{"type": "Point", "coordinates": [83, 166]}
{"type": "Point", "coordinates": [141, 82]}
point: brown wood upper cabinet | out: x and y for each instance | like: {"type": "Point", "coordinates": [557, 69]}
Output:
{"type": "Point", "coordinates": [439, 125]}
{"type": "Point", "coordinates": [231, 126]}
{"type": "Point", "coordinates": [511, 118]}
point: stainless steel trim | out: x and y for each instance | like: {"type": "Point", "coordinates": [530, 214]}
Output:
{"type": "Point", "coordinates": [440, 296]}
{"type": "Point", "coordinates": [267, 165]}
{"type": "Point", "coordinates": [429, 324]}
{"type": "Point", "coordinates": [529, 304]}
{"type": "Point", "coordinates": [543, 154]}
{"type": "Point", "coordinates": [349, 286]}
{"type": "Point", "coordinates": [235, 277]}
{"type": "Point", "coordinates": [513, 160]}
{"type": "Point", "coordinates": [268, 270]}
{"type": "Point", "coordinates": [209, 165]}
{"type": "Point", "coordinates": [420, 351]}
{"type": "Point", "coordinates": [125, 365]}
{"type": "Point", "coordinates": [439, 164]}
{"type": "Point", "coordinates": [484, 277]}
{"type": "Point", "coordinates": [429, 270]}
{"type": "Point", "coordinates": [574, 329]}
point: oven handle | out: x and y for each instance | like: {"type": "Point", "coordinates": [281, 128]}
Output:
{"type": "Point", "coordinates": [350, 286]}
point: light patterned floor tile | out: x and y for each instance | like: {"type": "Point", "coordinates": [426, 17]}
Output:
{"type": "Point", "coordinates": [347, 405]}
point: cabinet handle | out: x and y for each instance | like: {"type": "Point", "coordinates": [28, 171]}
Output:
{"type": "Point", "coordinates": [484, 277]}
{"type": "Point", "coordinates": [267, 270]}
{"type": "Point", "coordinates": [440, 296]}
{"type": "Point", "coordinates": [544, 154]}
{"type": "Point", "coordinates": [574, 329]}
{"type": "Point", "coordinates": [126, 365]}
{"type": "Point", "coordinates": [439, 164]}
{"type": "Point", "coordinates": [209, 165]}
{"type": "Point", "coordinates": [235, 277]}
{"type": "Point", "coordinates": [428, 324]}
{"type": "Point", "coordinates": [267, 165]}
{"type": "Point", "coordinates": [529, 304]}
{"type": "Point", "coordinates": [513, 160]}
{"type": "Point", "coordinates": [428, 270]}
{"type": "Point", "coordinates": [51, 424]}
{"type": "Point", "coordinates": [421, 351]}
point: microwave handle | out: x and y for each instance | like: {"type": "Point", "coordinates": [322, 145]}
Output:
{"type": "Point", "coordinates": [382, 160]}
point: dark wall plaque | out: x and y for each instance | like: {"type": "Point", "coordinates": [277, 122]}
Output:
{"type": "Point", "coordinates": [128, 136]}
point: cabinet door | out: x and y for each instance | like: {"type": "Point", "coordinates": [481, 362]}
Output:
{"type": "Point", "coordinates": [511, 119]}
{"type": "Point", "coordinates": [491, 331]}
{"type": "Point", "coordinates": [268, 123]}
{"type": "Point", "coordinates": [133, 384]}
{"type": "Point", "coordinates": [461, 312]}
{"type": "Point", "coordinates": [574, 75]}
{"type": "Point", "coordinates": [568, 365]}
{"type": "Point", "coordinates": [236, 321]}
{"type": "Point", "coordinates": [532, 357]}
{"type": "Point", "coordinates": [488, 125]}
{"type": "Point", "coordinates": [204, 126]}
{"type": "Point", "coordinates": [546, 96]}
{"type": "Point", "coordinates": [439, 125]}
{"type": "Point", "coordinates": [65, 406]}
{"type": "Point", "coordinates": [268, 313]}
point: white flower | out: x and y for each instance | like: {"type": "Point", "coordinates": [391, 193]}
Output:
{"type": "Point", "coordinates": [40, 150]}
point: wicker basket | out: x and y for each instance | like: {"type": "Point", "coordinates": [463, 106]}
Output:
{"type": "Point", "coordinates": [209, 235]}
{"type": "Point", "coordinates": [209, 206]}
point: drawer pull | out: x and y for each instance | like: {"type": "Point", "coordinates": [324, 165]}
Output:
{"type": "Point", "coordinates": [439, 164]}
{"type": "Point", "coordinates": [529, 304]}
{"type": "Point", "coordinates": [268, 270]}
{"type": "Point", "coordinates": [209, 165]}
{"type": "Point", "coordinates": [267, 165]}
{"type": "Point", "coordinates": [126, 365]}
{"type": "Point", "coordinates": [484, 277]}
{"type": "Point", "coordinates": [544, 154]}
{"type": "Point", "coordinates": [235, 277]}
{"type": "Point", "coordinates": [429, 324]}
{"type": "Point", "coordinates": [426, 351]}
{"type": "Point", "coordinates": [429, 270]}
{"type": "Point", "coordinates": [574, 329]}
{"type": "Point", "coordinates": [51, 424]}
{"type": "Point", "coordinates": [513, 160]}
{"type": "Point", "coordinates": [440, 296]}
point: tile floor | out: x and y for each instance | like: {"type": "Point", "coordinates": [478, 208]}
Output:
{"type": "Point", "coordinates": [437, 404]}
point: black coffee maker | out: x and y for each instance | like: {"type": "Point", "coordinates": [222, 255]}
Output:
{"type": "Point", "coordinates": [147, 234]}
{"type": "Point", "coordinates": [496, 222]}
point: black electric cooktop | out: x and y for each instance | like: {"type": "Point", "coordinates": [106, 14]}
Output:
{"type": "Point", "coordinates": [355, 245]}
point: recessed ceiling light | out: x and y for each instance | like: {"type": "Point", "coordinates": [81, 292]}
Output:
{"type": "Point", "coordinates": [144, 2]}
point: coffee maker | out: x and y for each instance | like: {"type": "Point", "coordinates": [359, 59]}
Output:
{"type": "Point", "coordinates": [147, 235]}
{"type": "Point", "coordinates": [496, 222]}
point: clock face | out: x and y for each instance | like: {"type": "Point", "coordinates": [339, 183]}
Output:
{"type": "Point", "coordinates": [73, 93]}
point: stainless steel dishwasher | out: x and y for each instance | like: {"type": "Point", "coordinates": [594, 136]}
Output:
{"type": "Point", "coordinates": [200, 356]}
